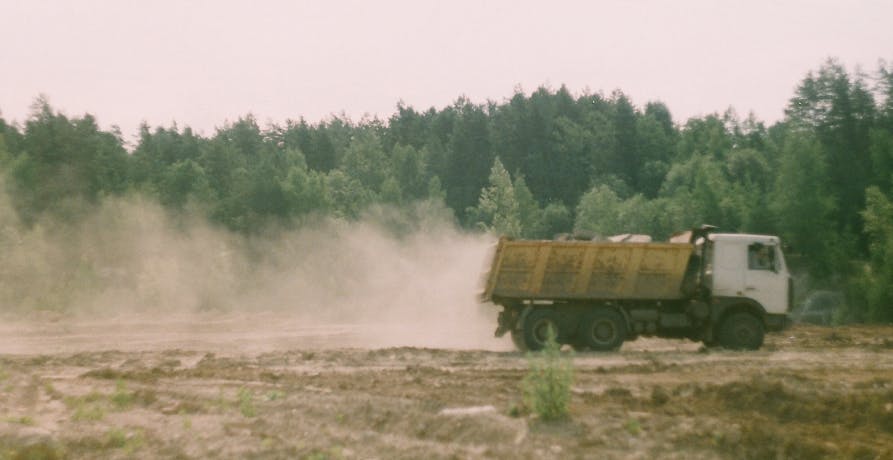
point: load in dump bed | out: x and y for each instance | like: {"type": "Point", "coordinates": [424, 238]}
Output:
{"type": "Point", "coordinates": [725, 289]}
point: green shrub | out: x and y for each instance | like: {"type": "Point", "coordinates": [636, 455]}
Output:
{"type": "Point", "coordinates": [246, 402]}
{"type": "Point", "coordinates": [121, 398]}
{"type": "Point", "coordinates": [89, 407]}
{"type": "Point", "coordinates": [547, 386]}
{"type": "Point", "coordinates": [88, 412]}
{"type": "Point", "coordinates": [117, 438]}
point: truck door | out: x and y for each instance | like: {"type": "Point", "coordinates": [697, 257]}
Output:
{"type": "Point", "coordinates": [766, 277]}
{"type": "Point", "coordinates": [724, 266]}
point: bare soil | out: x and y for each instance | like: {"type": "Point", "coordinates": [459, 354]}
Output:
{"type": "Point", "coordinates": [270, 387]}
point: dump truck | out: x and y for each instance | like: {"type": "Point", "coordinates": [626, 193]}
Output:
{"type": "Point", "coordinates": [717, 288]}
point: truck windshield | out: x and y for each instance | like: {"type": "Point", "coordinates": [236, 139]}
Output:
{"type": "Point", "coordinates": [779, 259]}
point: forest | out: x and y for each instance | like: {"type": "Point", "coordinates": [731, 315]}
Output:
{"type": "Point", "coordinates": [533, 165]}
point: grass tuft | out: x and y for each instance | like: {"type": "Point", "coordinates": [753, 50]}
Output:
{"type": "Point", "coordinates": [23, 420]}
{"type": "Point", "coordinates": [121, 398]}
{"type": "Point", "coordinates": [246, 402]}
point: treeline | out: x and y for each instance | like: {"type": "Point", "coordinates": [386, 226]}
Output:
{"type": "Point", "coordinates": [531, 166]}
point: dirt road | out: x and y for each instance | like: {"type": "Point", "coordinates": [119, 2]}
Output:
{"type": "Point", "coordinates": [274, 388]}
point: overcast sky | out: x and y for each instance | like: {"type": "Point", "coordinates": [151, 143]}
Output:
{"type": "Point", "coordinates": [204, 62]}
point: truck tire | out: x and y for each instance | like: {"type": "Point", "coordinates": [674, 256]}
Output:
{"type": "Point", "coordinates": [741, 331]}
{"type": "Point", "coordinates": [603, 330]}
{"type": "Point", "coordinates": [536, 327]}
{"type": "Point", "coordinates": [518, 340]}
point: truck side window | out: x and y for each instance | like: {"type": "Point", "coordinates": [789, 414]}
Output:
{"type": "Point", "coordinates": [760, 257]}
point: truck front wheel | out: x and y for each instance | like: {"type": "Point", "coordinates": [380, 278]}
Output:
{"type": "Point", "coordinates": [741, 331]}
{"type": "Point", "coordinates": [537, 327]}
{"type": "Point", "coordinates": [603, 330]}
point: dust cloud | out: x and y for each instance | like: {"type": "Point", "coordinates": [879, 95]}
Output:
{"type": "Point", "coordinates": [132, 274]}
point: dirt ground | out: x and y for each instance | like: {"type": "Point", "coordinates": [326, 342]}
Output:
{"type": "Point", "coordinates": [269, 387]}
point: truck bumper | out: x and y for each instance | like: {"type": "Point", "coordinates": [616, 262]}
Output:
{"type": "Point", "coordinates": [778, 322]}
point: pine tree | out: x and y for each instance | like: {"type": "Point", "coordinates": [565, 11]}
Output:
{"type": "Point", "coordinates": [497, 210]}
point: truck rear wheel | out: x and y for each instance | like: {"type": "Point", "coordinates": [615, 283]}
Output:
{"type": "Point", "coordinates": [536, 329]}
{"type": "Point", "coordinates": [741, 331]}
{"type": "Point", "coordinates": [603, 330]}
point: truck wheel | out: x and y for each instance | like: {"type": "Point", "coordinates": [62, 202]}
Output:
{"type": "Point", "coordinates": [741, 331]}
{"type": "Point", "coordinates": [537, 327]}
{"type": "Point", "coordinates": [518, 340]}
{"type": "Point", "coordinates": [603, 330]}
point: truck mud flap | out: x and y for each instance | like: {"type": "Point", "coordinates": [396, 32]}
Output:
{"type": "Point", "coordinates": [505, 322]}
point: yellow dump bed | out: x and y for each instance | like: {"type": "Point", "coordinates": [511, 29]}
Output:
{"type": "Point", "coordinates": [583, 270]}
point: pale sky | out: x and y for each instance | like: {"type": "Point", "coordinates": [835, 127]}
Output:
{"type": "Point", "coordinates": [201, 63]}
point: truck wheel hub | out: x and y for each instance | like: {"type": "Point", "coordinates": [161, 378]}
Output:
{"type": "Point", "coordinates": [541, 331]}
{"type": "Point", "coordinates": [603, 331]}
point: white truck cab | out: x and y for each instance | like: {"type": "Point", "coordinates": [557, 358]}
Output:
{"type": "Point", "coordinates": [752, 268]}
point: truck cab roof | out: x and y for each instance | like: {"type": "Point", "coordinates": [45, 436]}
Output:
{"type": "Point", "coordinates": [743, 238]}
